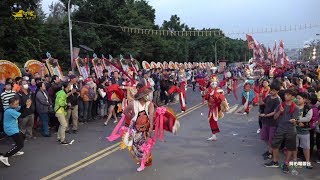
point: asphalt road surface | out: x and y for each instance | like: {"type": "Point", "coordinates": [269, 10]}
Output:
{"type": "Point", "coordinates": [187, 155]}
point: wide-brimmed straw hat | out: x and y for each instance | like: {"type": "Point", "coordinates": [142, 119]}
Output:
{"type": "Point", "coordinates": [142, 92]}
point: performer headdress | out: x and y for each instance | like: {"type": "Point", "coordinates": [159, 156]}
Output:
{"type": "Point", "coordinates": [142, 92]}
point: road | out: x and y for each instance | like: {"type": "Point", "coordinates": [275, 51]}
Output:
{"type": "Point", "coordinates": [187, 155]}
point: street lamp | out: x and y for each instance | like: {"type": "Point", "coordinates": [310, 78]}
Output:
{"type": "Point", "coordinates": [70, 34]}
{"type": "Point", "coordinates": [215, 51]}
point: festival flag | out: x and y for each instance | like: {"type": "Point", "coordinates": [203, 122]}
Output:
{"type": "Point", "coordinates": [286, 60]}
{"type": "Point", "coordinates": [256, 52]}
{"type": "Point", "coordinates": [251, 41]}
{"type": "Point", "coordinates": [269, 54]}
{"type": "Point", "coordinates": [261, 53]}
{"type": "Point", "coordinates": [280, 60]}
{"type": "Point", "coordinates": [274, 52]}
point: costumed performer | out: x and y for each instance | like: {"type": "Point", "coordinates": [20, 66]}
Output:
{"type": "Point", "coordinates": [217, 104]}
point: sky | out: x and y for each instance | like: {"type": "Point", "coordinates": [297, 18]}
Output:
{"type": "Point", "coordinates": [235, 16]}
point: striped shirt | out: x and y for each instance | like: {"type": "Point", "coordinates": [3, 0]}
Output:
{"type": "Point", "coordinates": [6, 96]}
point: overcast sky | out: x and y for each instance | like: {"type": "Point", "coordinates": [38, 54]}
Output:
{"type": "Point", "coordinates": [243, 15]}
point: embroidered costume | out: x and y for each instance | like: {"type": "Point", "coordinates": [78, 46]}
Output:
{"type": "Point", "coordinates": [141, 119]}
{"type": "Point", "coordinates": [217, 104]}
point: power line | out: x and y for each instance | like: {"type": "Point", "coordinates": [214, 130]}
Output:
{"type": "Point", "coordinates": [135, 30]}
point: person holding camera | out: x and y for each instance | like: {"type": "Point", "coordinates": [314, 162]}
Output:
{"type": "Point", "coordinates": [61, 106]}
{"type": "Point", "coordinates": [73, 100]}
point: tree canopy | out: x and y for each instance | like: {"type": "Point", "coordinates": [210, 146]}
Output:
{"type": "Point", "coordinates": [32, 38]}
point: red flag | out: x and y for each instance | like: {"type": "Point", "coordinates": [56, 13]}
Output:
{"type": "Point", "coordinates": [269, 54]}
{"type": "Point", "coordinates": [286, 60]}
{"type": "Point", "coordinates": [261, 53]}
{"type": "Point", "coordinates": [256, 52]}
{"type": "Point", "coordinates": [250, 41]}
{"type": "Point", "coordinates": [274, 52]}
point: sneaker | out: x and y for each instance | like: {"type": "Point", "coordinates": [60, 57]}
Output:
{"type": "Point", "coordinates": [4, 160]}
{"type": "Point", "coordinates": [115, 121]}
{"type": "Point", "coordinates": [309, 167]}
{"type": "Point", "coordinates": [268, 156]}
{"type": "Point", "coordinates": [212, 138]}
{"type": "Point", "coordinates": [318, 161]}
{"type": "Point", "coordinates": [182, 111]}
{"type": "Point", "coordinates": [58, 140]}
{"type": "Point", "coordinates": [105, 123]}
{"type": "Point", "coordinates": [285, 169]}
{"type": "Point", "coordinates": [258, 131]}
{"type": "Point", "coordinates": [75, 131]}
{"type": "Point", "coordinates": [19, 153]}
{"type": "Point", "coordinates": [266, 153]}
{"type": "Point", "coordinates": [140, 169]}
{"type": "Point", "coordinates": [64, 142]}
{"type": "Point", "coordinates": [271, 164]}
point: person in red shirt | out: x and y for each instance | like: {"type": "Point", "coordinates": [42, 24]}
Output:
{"type": "Point", "coordinates": [215, 97]}
{"type": "Point", "coordinates": [115, 96]}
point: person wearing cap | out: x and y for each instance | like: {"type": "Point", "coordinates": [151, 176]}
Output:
{"type": "Point", "coordinates": [141, 112]}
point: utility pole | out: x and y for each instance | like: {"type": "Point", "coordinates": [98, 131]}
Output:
{"type": "Point", "coordinates": [70, 34]}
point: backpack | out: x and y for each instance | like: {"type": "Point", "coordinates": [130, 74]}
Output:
{"type": "Point", "coordinates": [315, 117]}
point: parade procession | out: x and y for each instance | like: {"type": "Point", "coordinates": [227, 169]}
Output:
{"type": "Point", "coordinates": [147, 101]}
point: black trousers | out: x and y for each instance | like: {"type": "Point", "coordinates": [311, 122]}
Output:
{"type": "Point", "coordinates": [18, 138]}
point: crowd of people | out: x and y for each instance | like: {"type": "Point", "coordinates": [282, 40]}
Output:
{"type": "Point", "coordinates": [289, 115]}
{"type": "Point", "coordinates": [34, 106]}
{"type": "Point", "coordinates": [288, 100]}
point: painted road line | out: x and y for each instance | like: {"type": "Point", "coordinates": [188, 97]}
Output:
{"type": "Point", "coordinates": [107, 153]}
{"type": "Point", "coordinates": [190, 109]}
{"type": "Point", "coordinates": [80, 162]}
{"type": "Point", "coordinates": [201, 105]}
{"type": "Point", "coordinates": [86, 164]}
{"type": "Point", "coordinates": [110, 148]}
